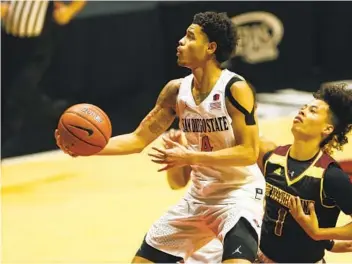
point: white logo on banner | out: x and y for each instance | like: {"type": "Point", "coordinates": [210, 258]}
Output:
{"type": "Point", "coordinates": [260, 33]}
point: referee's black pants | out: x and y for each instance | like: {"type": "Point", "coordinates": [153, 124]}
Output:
{"type": "Point", "coordinates": [25, 108]}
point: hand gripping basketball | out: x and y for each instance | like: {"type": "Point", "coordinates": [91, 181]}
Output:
{"type": "Point", "coordinates": [83, 130]}
{"type": "Point", "coordinates": [61, 146]}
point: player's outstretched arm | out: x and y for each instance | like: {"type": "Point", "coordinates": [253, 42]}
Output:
{"type": "Point", "coordinates": [153, 125]}
{"type": "Point", "coordinates": [245, 127]}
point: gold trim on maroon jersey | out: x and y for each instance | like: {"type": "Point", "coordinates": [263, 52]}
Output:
{"type": "Point", "coordinates": [315, 170]}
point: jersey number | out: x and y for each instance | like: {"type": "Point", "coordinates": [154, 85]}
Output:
{"type": "Point", "coordinates": [280, 221]}
{"type": "Point", "coordinates": [206, 144]}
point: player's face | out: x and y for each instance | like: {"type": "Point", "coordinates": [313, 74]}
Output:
{"type": "Point", "coordinates": [313, 121]}
{"type": "Point", "coordinates": [194, 48]}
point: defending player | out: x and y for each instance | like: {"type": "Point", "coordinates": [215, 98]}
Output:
{"type": "Point", "coordinates": [306, 170]}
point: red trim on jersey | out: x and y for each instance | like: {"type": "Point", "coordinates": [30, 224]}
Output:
{"type": "Point", "coordinates": [346, 166]}
{"type": "Point", "coordinates": [282, 150]}
{"type": "Point", "coordinates": [324, 161]}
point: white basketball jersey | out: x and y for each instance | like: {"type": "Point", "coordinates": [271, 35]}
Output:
{"type": "Point", "coordinates": [208, 127]}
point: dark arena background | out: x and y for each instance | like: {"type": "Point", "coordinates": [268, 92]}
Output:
{"type": "Point", "coordinates": [118, 56]}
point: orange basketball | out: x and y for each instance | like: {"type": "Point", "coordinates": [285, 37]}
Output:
{"type": "Point", "coordinates": [84, 129]}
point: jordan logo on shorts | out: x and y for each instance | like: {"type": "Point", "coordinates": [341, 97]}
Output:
{"type": "Point", "coordinates": [237, 251]}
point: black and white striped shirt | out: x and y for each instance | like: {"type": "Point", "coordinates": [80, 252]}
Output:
{"type": "Point", "coordinates": [25, 18]}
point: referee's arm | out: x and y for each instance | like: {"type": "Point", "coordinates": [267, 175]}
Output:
{"type": "Point", "coordinates": [4, 8]}
{"type": "Point", "coordinates": [65, 12]}
{"type": "Point", "coordinates": [75, 6]}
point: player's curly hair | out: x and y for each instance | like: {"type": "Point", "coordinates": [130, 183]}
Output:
{"type": "Point", "coordinates": [219, 29]}
{"type": "Point", "coordinates": [339, 99]}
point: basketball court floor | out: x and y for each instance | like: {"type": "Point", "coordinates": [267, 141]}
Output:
{"type": "Point", "coordinates": [58, 209]}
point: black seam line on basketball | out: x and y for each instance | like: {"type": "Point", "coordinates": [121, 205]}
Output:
{"type": "Point", "coordinates": [78, 137]}
{"type": "Point", "coordinates": [88, 130]}
{"type": "Point", "coordinates": [75, 113]}
{"type": "Point", "coordinates": [106, 139]}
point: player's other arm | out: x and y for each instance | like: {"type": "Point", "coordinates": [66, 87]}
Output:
{"type": "Point", "coordinates": [178, 177]}
{"type": "Point", "coordinates": [153, 125]}
{"type": "Point", "coordinates": [340, 232]}
{"type": "Point", "coordinates": [244, 124]}
{"type": "Point", "coordinates": [342, 246]}
{"type": "Point", "coordinates": [338, 186]}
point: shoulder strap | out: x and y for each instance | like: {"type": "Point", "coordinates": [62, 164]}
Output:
{"type": "Point", "coordinates": [249, 116]}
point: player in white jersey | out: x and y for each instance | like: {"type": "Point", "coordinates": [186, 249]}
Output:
{"type": "Point", "coordinates": [178, 178]}
{"type": "Point", "coordinates": [216, 112]}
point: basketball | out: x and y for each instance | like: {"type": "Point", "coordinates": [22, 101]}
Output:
{"type": "Point", "coordinates": [84, 129]}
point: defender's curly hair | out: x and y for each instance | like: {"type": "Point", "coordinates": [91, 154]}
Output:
{"type": "Point", "coordinates": [339, 99]}
{"type": "Point", "coordinates": [220, 29]}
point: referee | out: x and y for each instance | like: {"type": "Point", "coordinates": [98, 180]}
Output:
{"type": "Point", "coordinates": [27, 47]}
